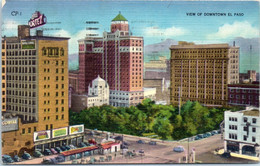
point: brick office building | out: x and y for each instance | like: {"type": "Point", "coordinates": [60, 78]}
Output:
{"type": "Point", "coordinates": [118, 58]}
{"type": "Point", "coordinates": [244, 94]}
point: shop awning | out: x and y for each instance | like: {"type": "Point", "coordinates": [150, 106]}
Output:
{"type": "Point", "coordinates": [108, 145]}
{"type": "Point", "coordinates": [75, 151]}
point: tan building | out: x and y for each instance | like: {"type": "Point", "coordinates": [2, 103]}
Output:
{"type": "Point", "coordinates": [3, 75]}
{"type": "Point", "coordinates": [37, 90]}
{"type": "Point", "coordinates": [202, 72]}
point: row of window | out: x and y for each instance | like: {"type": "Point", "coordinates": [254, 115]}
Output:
{"type": "Point", "coordinates": [244, 90]}
{"type": "Point", "coordinates": [245, 138]}
{"type": "Point", "coordinates": [56, 102]}
{"type": "Point", "coordinates": [57, 86]}
{"type": "Point", "coordinates": [21, 53]}
{"type": "Point", "coordinates": [56, 62]}
{"type": "Point", "coordinates": [57, 117]}
{"type": "Point", "coordinates": [244, 97]}
{"type": "Point", "coordinates": [57, 109]}
{"type": "Point", "coordinates": [29, 130]}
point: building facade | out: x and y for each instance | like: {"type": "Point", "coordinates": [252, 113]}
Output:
{"type": "Point", "coordinates": [242, 132]}
{"type": "Point", "coordinates": [37, 91]}
{"type": "Point", "coordinates": [3, 107]}
{"type": "Point", "coordinates": [244, 94]}
{"type": "Point", "coordinates": [157, 69]}
{"type": "Point", "coordinates": [118, 58]}
{"type": "Point", "coordinates": [202, 72]}
{"type": "Point", "coordinates": [74, 81]}
{"type": "Point", "coordinates": [250, 76]}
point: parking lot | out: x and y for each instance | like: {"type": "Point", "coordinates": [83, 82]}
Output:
{"type": "Point", "coordinates": [162, 152]}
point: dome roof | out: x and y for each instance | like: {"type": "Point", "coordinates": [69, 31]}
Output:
{"type": "Point", "coordinates": [119, 17]}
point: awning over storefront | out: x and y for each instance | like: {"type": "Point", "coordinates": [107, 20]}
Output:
{"type": "Point", "coordinates": [108, 145]}
{"type": "Point", "coordinates": [75, 151]}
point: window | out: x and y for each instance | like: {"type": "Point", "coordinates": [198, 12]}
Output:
{"type": "Point", "coordinates": [254, 120]}
{"type": "Point", "coordinates": [62, 116]}
{"type": "Point", "coordinates": [57, 109]}
{"type": "Point", "coordinates": [51, 126]}
{"type": "Point", "coordinates": [245, 137]}
{"type": "Point", "coordinates": [57, 117]}
{"type": "Point", "coordinates": [23, 131]}
{"type": "Point", "coordinates": [29, 130]}
{"type": "Point", "coordinates": [245, 120]}
{"type": "Point", "coordinates": [47, 127]}
{"type": "Point", "coordinates": [253, 139]}
{"type": "Point", "coordinates": [245, 128]}
{"type": "Point", "coordinates": [34, 128]}
{"type": "Point", "coordinates": [253, 129]}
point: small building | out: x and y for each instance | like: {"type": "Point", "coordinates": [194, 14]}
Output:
{"type": "Point", "coordinates": [242, 134]}
{"type": "Point", "coordinates": [150, 93]}
{"type": "Point", "coordinates": [250, 76]}
{"type": "Point", "coordinates": [244, 94]}
{"type": "Point", "coordinates": [109, 147]}
{"type": "Point", "coordinates": [98, 94]}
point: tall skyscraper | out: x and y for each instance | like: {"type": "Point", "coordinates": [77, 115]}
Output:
{"type": "Point", "coordinates": [37, 78]}
{"type": "Point", "coordinates": [202, 72]}
{"type": "Point", "coordinates": [118, 58]}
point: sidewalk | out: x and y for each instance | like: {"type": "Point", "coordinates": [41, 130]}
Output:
{"type": "Point", "coordinates": [221, 151]}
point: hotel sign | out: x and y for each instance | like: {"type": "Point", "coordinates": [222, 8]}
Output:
{"type": "Point", "coordinates": [10, 124]}
{"type": "Point", "coordinates": [41, 135]}
{"type": "Point", "coordinates": [37, 20]}
{"type": "Point", "coordinates": [76, 129]}
{"type": "Point", "coordinates": [59, 132]}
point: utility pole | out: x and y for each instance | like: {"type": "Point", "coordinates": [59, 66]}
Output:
{"type": "Point", "coordinates": [250, 72]}
{"type": "Point", "coordinates": [179, 100]}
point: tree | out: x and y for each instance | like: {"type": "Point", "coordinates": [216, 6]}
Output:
{"type": "Point", "coordinates": [163, 128]}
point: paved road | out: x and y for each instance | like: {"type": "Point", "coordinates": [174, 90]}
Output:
{"type": "Point", "coordinates": [160, 153]}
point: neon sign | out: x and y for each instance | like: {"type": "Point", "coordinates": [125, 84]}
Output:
{"type": "Point", "coordinates": [37, 20]}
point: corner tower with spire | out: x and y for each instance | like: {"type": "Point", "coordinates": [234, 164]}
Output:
{"type": "Point", "coordinates": [119, 23]}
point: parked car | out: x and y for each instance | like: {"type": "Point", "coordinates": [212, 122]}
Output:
{"type": "Point", "coordinates": [82, 144]}
{"type": "Point", "coordinates": [50, 161]}
{"type": "Point", "coordinates": [63, 148]}
{"type": "Point", "coordinates": [67, 147]}
{"type": "Point", "coordinates": [141, 151]}
{"type": "Point", "coordinates": [152, 143]}
{"type": "Point", "coordinates": [37, 153]}
{"type": "Point", "coordinates": [78, 156]}
{"type": "Point", "coordinates": [126, 143]}
{"type": "Point", "coordinates": [140, 142]}
{"type": "Point", "coordinates": [47, 152]}
{"type": "Point", "coordinates": [208, 134]}
{"type": "Point", "coordinates": [26, 156]}
{"type": "Point", "coordinates": [53, 151]}
{"type": "Point", "coordinates": [214, 132]}
{"type": "Point", "coordinates": [17, 158]}
{"type": "Point", "coordinates": [199, 136]}
{"type": "Point", "coordinates": [178, 149]}
{"type": "Point", "coordinates": [7, 159]}
{"type": "Point", "coordinates": [58, 149]}
{"type": "Point", "coordinates": [60, 159]}
{"type": "Point", "coordinates": [72, 146]}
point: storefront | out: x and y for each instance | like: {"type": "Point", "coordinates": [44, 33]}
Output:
{"type": "Point", "coordinates": [81, 152]}
{"type": "Point", "coordinates": [59, 137]}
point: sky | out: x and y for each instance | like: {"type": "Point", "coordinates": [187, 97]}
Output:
{"type": "Point", "coordinates": [156, 21]}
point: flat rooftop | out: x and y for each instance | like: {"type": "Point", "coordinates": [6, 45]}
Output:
{"type": "Point", "coordinates": [188, 46]}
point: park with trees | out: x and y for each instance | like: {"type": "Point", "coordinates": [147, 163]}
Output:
{"type": "Point", "coordinates": [147, 118]}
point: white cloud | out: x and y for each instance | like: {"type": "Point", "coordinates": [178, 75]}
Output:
{"type": "Point", "coordinates": [167, 32]}
{"type": "Point", "coordinates": [237, 29]}
{"type": "Point", "coordinates": [9, 27]}
{"type": "Point", "coordinates": [73, 42]}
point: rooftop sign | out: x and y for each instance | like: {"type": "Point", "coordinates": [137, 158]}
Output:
{"type": "Point", "coordinates": [37, 20]}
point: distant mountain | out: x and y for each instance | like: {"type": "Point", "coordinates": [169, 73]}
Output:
{"type": "Point", "coordinates": [245, 55]}
{"type": "Point", "coordinates": [153, 51]}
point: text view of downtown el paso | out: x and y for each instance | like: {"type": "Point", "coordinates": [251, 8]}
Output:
{"type": "Point", "coordinates": [130, 85]}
